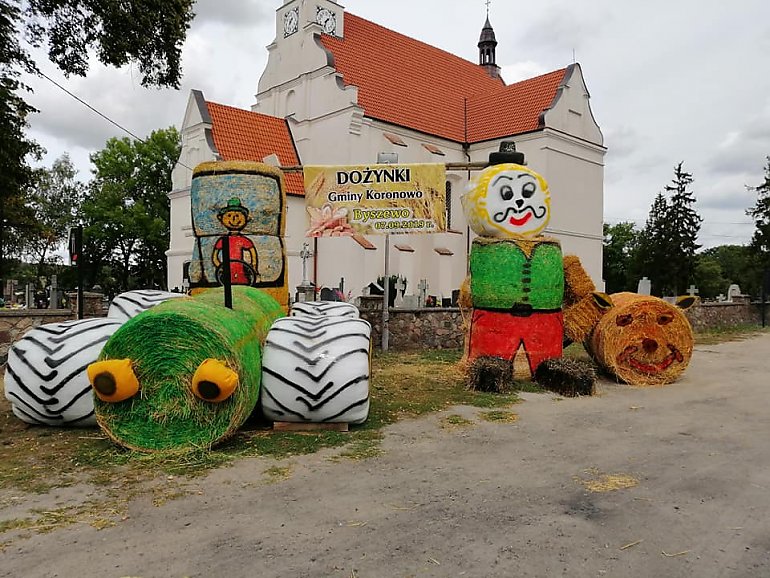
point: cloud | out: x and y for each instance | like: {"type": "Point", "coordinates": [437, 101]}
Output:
{"type": "Point", "coordinates": [237, 13]}
{"type": "Point", "coordinates": [513, 73]}
{"type": "Point", "coordinates": [744, 150]}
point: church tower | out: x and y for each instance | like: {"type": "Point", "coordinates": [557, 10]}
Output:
{"type": "Point", "coordinates": [487, 44]}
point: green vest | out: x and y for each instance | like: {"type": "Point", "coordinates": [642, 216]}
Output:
{"type": "Point", "coordinates": [502, 277]}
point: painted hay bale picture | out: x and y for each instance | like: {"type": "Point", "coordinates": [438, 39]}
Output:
{"type": "Point", "coordinates": [45, 377]}
{"type": "Point", "coordinates": [240, 204]}
{"type": "Point", "coordinates": [316, 368]}
{"type": "Point", "coordinates": [185, 374]}
{"type": "Point", "coordinates": [643, 340]}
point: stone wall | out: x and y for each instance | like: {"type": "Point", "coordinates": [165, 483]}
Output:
{"type": "Point", "coordinates": [443, 328]}
{"type": "Point", "coordinates": [715, 315]}
{"type": "Point", "coordinates": [14, 323]}
{"type": "Point", "coordinates": [428, 328]}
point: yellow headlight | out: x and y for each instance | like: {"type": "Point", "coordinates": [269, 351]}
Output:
{"type": "Point", "coordinates": [214, 381]}
{"type": "Point", "coordinates": [113, 380]}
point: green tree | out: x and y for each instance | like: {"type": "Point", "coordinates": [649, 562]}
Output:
{"type": "Point", "coordinates": [668, 243]}
{"type": "Point", "coordinates": [760, 212]}
{"type": "Point", "coordinates": [620, 249]}
{"type": "Point", "coordinates": [56, 202]}
{"type": "Point", "coordinates": [709, 277]}
{"type": "Point", "coordinates": [654, 247]}
{"type": "Point", "coordinates": [737, 264]}
{"type": "Point", "coordinates": [126, 214]}
{"type": "Point", "coordinates": [149, 33]}
{"type": "Point", "coordinates": [684, 226]}
{"type": "Point", "coordinates": [15, 175]}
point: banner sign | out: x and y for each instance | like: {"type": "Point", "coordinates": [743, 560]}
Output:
{"type": "Point", "coordinates": [375, 199]}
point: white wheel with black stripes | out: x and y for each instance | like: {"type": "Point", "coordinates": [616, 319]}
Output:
{"type": "Point", "coordinates": [132, 303]}
{"type": "Point", "coordinates": [326, 308]}
{"type": "Point", "coordinates": [316, 369]}
{"type": "Point", "coordinates": [45, 378]}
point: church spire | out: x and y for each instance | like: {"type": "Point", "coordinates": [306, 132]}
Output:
{"type": "Point", "coordinates": [487, 44]}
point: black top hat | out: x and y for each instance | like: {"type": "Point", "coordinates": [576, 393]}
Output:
{"type": "Point", "coordinates": [506, 154]}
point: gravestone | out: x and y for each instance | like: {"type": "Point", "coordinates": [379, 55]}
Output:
{"type": "Point", "coordinates": [644, 287]}
{"type": "Point", "coordinates": [692, 290]}
{"type": "Point", "coordinates": [423, 295]}
{"type": "Point", "coordinates": [411, 302]}
{"type": "Point", "coordinates": [305, 290]}
{"type": "Point", "coordinates": [29, 296]}
{"type": "Point", "coordinates": [400, 288]}
{"type": "Point", "coordinates": [328, 294]}
{"type": "Point", "coordinates": [733, 291]}
{"type": "Point", "coordinates": [53, 299]}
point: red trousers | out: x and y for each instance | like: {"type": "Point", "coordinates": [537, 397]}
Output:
{"type": "Point", "coordinates": [500, 334]}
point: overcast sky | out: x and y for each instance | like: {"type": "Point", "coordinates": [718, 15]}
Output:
{"type": "Point", "coordinates": [670, 81]}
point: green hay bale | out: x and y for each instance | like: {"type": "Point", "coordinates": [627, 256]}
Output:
{"type": "Point", "coordinates": [567, 377]}
{"type": "Point", "coordinates": [166, 345]}
{"type": "Point", "coordinates": [506, 272]}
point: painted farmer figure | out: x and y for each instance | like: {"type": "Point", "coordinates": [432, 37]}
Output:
{"type": "Point", "coordinates": [516, 282]}
{"type": "Point", "coordinates": [243, 255]}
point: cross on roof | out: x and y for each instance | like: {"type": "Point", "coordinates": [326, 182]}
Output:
{"type": "Point", "coordinates": [488, 2]}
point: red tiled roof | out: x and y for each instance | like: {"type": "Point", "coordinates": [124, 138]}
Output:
{"type": "Point", "coordinates": [242, 135]}
{"type": "Point", "coordinates": [513, 110]}
{"type": "Point", "coordinates": [412, 84]}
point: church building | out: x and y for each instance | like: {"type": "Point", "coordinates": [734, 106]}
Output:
{"type": "Point", "coordinates": [340, 90]}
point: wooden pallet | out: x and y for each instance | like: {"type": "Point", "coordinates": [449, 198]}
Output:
{"type": "Point", "coordinates": [295, 426]}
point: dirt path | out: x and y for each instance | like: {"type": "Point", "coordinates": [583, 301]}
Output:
{"type": "Point", "coordinates": [637, 482]}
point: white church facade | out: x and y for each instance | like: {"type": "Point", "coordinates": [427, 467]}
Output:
{"type": "Point", "coordinates": [339, 90]}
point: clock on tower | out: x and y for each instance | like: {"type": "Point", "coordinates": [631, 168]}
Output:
{"type": "Point", "coordinates": [327, 19]}
{"type": "Point", "coordinates": [290, 21]}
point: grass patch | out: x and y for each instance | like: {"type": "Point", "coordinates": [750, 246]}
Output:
{"type": "Point", "coordinates": [499, 416]}
{"type": "Point", "coordinates": [716, 335]}
{"type": "Point", "coordinates": [365, 447]}
{"type": "Point", "coordinates": [455, 421]}
{"type": "Point", "coordinates": [276, 474]}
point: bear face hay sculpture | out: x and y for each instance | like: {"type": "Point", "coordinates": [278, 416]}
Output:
{"type": "Point", "coordinates": [185, 374]}
{"type": "Point", "coordinates": [643, 340]}
{"type": "Point", "coordinates": [516, 282]}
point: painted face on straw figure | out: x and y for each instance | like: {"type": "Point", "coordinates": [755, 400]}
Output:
{"type": "Point", "coordinates": [508, 200]}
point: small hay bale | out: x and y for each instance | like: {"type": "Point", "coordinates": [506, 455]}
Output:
{"type": "Point", "coordinates": [567, 377]}
{"type": "Point", "coordinates": [643, 340]}
{"type": "Point", "coordinates": [493, 374]}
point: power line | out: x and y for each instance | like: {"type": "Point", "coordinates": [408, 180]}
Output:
{"type": "Point", "coordinates": [101, 114]}
{"type": "Point", "coordinates": [84, 103]}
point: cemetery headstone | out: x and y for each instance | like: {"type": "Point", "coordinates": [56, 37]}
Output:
{"type": "Point", "coordinates": [644, 287]}
{"type": "Point", "coordinates": [423, 295]}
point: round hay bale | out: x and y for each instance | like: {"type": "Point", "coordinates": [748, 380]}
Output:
{"type": "Point", "coordinates": [642, 340]}
{"type": "Point", "coordinates": [166, 345]}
